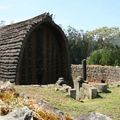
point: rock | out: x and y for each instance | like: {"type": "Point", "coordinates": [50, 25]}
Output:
{"type": "Point", "coordinates": [101, 87]}
{"type": "Point", "coordinates": [88, 91]}
{"type": "Point", "coordinates": [98, 116]}
{"type": "Point", "coordinates": [62, 89]}
{"type": "Point", "coordinates": [46, 106]}
{"type": "Point", "coordinates": [19, 114]}
{"type": "Point", "coordinates": [72, 93]}
{"type": "Point", "coordinates": [7, 86]}
{"type": "Point", "coordinates": [60, 81]}
{"type": "Point", "coordinates": [94, 116]}
{"type": "Point", "coordinates": [93, 93]}
{"type": "Point", "coordinates": [66, 87]}
{"type": "Point", "coordinates": [78, 82]}
{"type": "Point", "coordinates": [4, 109]}
{"type": "Point", "coordinates": [56, 89]}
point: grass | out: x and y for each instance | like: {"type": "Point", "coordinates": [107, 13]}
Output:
{"type": "Point", "coordinates": [108, 104]}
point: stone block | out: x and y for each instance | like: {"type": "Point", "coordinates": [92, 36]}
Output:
{"type": "Point", "coordinates": [78, 83]}
{"type": "Point", "coordinates": [102, 87]}
{"type": "Point", "coordinates": [92, 93]}
{"type": "Point", "coordinates": [72, 93]}
{"type": "Point", "coordinates": [66, 87]}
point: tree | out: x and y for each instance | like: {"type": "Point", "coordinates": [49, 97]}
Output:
{"type": "Point", "coordinates": [80, 45]}
{"type": "Point", "coordinates": [99, 44]}
{"type": "Point", "coordinates": [106, 56]}
{"type": "Point", "coordinates": [74, 38]}
{"type": "Point", "coordinates": [106, 35]}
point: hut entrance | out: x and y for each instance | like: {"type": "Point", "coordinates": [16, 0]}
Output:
{"type": "Point", "coordinates": [42, 60]}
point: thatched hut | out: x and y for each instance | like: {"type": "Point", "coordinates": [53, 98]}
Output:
{"type": "Point", "coordinates": [34, 51]}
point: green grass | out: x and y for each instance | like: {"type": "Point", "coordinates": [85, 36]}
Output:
{"type": "Point", "coordinates": [108, 104]}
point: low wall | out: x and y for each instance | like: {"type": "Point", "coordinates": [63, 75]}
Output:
{"type": "Point", "coordinates": [98, 73]}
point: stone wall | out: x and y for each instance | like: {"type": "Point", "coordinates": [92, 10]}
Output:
{"type": "Point", "coordinates": [98, 73]}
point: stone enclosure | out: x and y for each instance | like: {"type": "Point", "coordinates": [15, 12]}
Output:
{"type": "Point", "coordinates": [91, 79]}
{"type": "Point", "coordinates": [97, 73]}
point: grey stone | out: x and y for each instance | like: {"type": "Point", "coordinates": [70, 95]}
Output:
{"type": "Point", "coordinates": [96, 73]}
{"type": "Point", "coordinates": [87, 91]}
{"type": "Point", "coordinates": [61, 81]}
{"type": "Point", "coordinates": [86, 86]}
{"type": "Point", "coordinates": [19, 114]}
{"type": "Point", "coordinates": [7, 86]}
{"type": "Point", "coordinates": [93, 116]}
{"type": "Point", "coordinates": [47, 106]}
{"type": "Point", "coordinates": [98, 116]}
{"type": "Point", "coordinates": [66, 87]}
{"type": "Point", "coordinates": [84, 69]}
{"type": "Point", "coordinates": [72, 93]}
{"type": "Point", "coordinates": [82, 94]}
{"type": "Point", "coordinates": [77, 85]}
{"type": "Point", "coordinates": [4, 109]}
{"type": "Point", "coordinates": [101, 87]}
{"type": "Point", "coordinates": [93, 93]}
{"type": "Point", "coordinates": [78, 82]}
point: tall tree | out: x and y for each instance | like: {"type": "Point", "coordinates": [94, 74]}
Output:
{"type": "Point", "coordinates": [80, 44]}
{"type": "Point", "coordinates": [106, 35]}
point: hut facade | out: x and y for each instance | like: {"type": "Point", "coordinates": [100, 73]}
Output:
{"type": "Point", "coordinates": [34, 51]}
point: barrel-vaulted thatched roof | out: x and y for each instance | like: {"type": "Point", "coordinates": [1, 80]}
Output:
{"type": "Point", "coordinates": [12, 39]}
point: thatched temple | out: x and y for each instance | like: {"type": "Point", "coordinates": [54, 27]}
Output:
{"type": "Point", "coordinates": [34, 51]}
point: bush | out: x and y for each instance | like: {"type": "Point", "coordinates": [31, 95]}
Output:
{"type": "Point", "coordinates": [105, 56]}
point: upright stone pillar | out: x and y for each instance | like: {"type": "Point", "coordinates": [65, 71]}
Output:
{"type": "Point", "coordinates": [77, 85]}
{"type": "Point", "coordinates": [84, 75]}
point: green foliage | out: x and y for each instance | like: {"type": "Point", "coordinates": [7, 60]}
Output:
{"type": "Point", "coordinates": [105, 56]}
{"type": "Point", "coordinates": [80, 45]}
{"type": "Point", "coordinates": [95, 57]}
{"type": "Point", "coordinates": [99, 44]}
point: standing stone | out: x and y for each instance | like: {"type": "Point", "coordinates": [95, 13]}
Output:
{"type": "Point", "coordinates": [77, 84]}
{"type": "Point", "coordinates": [84, 69]}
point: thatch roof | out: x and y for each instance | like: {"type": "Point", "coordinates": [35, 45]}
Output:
{"type": "Point", "coordinates": [12, 38]}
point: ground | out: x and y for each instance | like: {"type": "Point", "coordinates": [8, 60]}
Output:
{"type": "Point", "coordinates": [107, 103]}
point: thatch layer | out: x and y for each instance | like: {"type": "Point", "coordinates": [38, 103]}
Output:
{"type": "Point", "coordinates": [12, 40]}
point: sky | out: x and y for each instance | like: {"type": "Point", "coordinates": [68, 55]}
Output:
{"type": "Point", "coordinates": [80, 14]}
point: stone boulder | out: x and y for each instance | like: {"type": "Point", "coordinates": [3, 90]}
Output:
{"type": "Point", "coordinates": [47, 106]}
{"type": "Point", "coordinates": [94, 116]}
{"type": "Point", "coordinates": [6, 86]}
{"type": "Point", "coordinates": [60, 81]}
{"type": "Point", "coordinates": [19, 114]}
{"type": "Point", "coordinates": [4, 109]}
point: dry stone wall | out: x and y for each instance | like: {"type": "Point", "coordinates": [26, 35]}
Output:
{"type": "Point", "coordinates": [97, 73]}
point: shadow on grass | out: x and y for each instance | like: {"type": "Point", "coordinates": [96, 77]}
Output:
{"type": "Point", "coordinates": [107, 91]}
{"type": "Point", "coordinates": [99, 96]}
